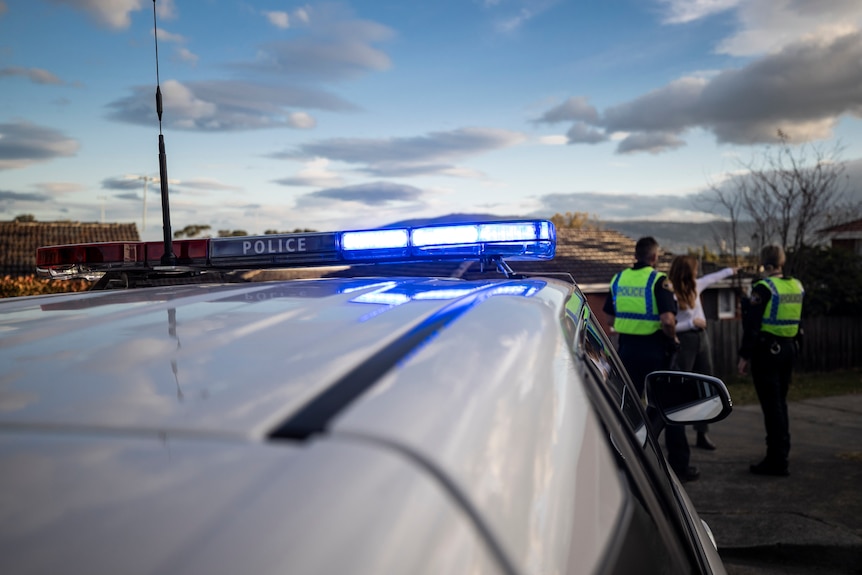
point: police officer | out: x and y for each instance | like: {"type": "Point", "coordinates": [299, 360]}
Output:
{"type": "Point", "coordinates": [770, 328]}
{"type": "Point", "coordinates": [643, 309]}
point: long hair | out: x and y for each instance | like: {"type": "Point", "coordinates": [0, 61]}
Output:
{"type": "Point", "coordinates": [683, 270]}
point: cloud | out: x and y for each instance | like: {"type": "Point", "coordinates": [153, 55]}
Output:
{"type": "Point", "coordinates": [581, 133]}
{"type": "Point", "coordinates": [278, 19]}
{"type": "Point", "coordinates": [166, 36]}
{"type": "Point", "coordinates": [611, 207]}
{"type": "Point", "coordinates": [554, 140]}
{"type": "Point", "coordinates": [804, 90]}
{"type": "Point", "coordinates": [767, 26]}
{"type": "Point", "coordinates": [328, 44]}
{"type": "Point", "coordinates": [652, 142]}
{"type": "Point", "coordinates": [575, 108]}
{"type": "Point", "coordinates": [116, 14]}
{"type": "Point", "coordinates": [515, 17]}
{"type": "Point", "coordinates": [207, 184]}
{"type": "Point", "coordinates": [684, 11]}
{"type": "Point", "coordinates": [186, 55]}
{"type": "Point", "coordinates": [226, 106]}
{"type": "Point", "coordinates": [316, 174]}
{"type": "Point", "coordinates": [429, 154]}
{"type": "Point", "coordinates": [35, 75]}
{"type": "Point", "coordinates": [129, 183]}
{"type": "Point", "coordinates": [335, 46]}
{"type": "Point", "coordinates": [375, 194]}
{"type": "Point", "coordinates": [23, 144]}
{"type": "Point", "coordinates": [7, 196]}
{"type": "Point", "coordinates": [59, 188]}
{"type": "Point", "coordinates": [181, 53]}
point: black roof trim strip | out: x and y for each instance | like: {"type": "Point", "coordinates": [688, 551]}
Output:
{"type": "Point", "coordinates": [315, 416]}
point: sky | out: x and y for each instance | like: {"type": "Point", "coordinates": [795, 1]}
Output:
{"type": "Point", "coordinates": [348, 115]}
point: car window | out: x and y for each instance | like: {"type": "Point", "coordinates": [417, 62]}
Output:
{"type": "Point", "coordinates": [588, 340]}
{"type": "Point", "coordinates": [652, 535]}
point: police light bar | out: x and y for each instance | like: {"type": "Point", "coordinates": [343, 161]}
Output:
{"type": "Point", "coordinates": [506, 240]}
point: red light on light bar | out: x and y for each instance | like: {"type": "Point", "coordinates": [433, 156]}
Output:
{"type": "Point", "coordinates": [90, 254]}
{"type": "Point", "coordinates": [188, 252]}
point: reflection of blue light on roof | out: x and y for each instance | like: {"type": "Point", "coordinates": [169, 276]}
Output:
{"type": "Point", "coordinates": [521, 290]}
{"type": "Point", "coordinates": [394, 293]}
{"type": "Point", "coordinates": [366, 287]}
{"type": "Point", "coordinates": [443, 294]}
{"type": "Point", "coordinates": [384, 298]}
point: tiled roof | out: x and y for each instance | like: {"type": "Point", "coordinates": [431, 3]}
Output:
{"type": "Point", "coordinates": [19, 240]}
{"type": "Point", "coordinates": [854, 226]}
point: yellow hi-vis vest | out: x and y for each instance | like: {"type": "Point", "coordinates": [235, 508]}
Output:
{"type": "Point", "coordinates": [636, 311]}
{"type": "Point", "coordinates": [784, 309]}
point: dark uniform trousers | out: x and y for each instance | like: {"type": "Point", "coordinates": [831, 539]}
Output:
{"type": "Point", "coordinates": [771, 367]}
{"type": "Point", "coordinates": [642, 354]}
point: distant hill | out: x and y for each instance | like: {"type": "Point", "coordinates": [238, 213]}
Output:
{"type": "Point", "coordinates": [678, 237]}
{"type": "Point", "coordinates": [451, 219]}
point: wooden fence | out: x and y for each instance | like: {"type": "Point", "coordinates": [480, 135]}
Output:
{"type": "Point", "coordinates": [830, 343]}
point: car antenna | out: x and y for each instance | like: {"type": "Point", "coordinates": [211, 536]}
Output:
{"type": "Point", "coordinates": [168, 257]}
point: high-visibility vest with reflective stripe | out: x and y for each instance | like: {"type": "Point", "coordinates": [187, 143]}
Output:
{"type": "Point", "coordinates": [634, 301]}
{"type": "Point", "coordinates": [784, 309]}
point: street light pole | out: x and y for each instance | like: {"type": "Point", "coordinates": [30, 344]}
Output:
{"type": "Point", "coordinates": [103, 198]}
{"type": "Point", "coordinates": [146, 180]}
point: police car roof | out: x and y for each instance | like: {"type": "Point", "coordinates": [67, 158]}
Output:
{"type": "Point", "coordinates": [170, 426]}
{"type": "Point", "coordinates": [239, 359]}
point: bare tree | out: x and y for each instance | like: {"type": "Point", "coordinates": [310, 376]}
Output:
{"type": "Point", "coordinates": [788, 192]}
{"type": "Point", "coordinates": [724, 200]}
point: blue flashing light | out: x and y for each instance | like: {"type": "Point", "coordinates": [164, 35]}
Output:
{"type": "Point", "coordinates": [515, 240]}
{"type": "Point", "coordinates": [445, 235]}
{"type": "Point", "coordinates": [526, 239]}
{"type": "Point", "coordinates": [374, 239]}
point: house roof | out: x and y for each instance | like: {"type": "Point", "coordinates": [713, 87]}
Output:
{"type": "Point", "coordinates": [854, 226]}
{"type": "Point", "coordinates": [19, 240]}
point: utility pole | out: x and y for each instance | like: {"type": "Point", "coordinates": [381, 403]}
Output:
{"type": "Point", "coordinates": [146, 180]}
{"type": "Point", "coordinates": [103, 198]}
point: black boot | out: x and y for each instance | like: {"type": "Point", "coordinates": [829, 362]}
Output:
{"type": "Point", "coordinates": [691, 473]}
{"type": "Point", "coordinates": [703, 441]}
{"type": "Point", "coordinates": [769, 467]}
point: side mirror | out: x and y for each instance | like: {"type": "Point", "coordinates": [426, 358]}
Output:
{"type": "Point", "coordinates": [684, 398]}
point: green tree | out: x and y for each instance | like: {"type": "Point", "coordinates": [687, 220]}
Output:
{"type": "Point", "coordinates": [231, 233]}
{"type": "Point", "coordinates": [191, 231]}
{"type": "Point", "coordinates": [296, 231]}
{"type": "Point", "coordinates": [25, 218]}
{"type": "Point", "coordinates": [831, 277]}
{"type": "Point", "coordinates": [575, 220]}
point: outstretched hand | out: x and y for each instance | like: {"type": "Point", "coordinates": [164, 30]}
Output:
{"type": "Point", "coordinates": [742, 366]}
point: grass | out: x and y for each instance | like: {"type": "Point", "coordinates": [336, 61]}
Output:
{"type": "Point", "coordinates": [805, 385]}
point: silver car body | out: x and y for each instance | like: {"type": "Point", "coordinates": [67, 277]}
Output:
{"type": "Point", "coordinates": [372, 425]}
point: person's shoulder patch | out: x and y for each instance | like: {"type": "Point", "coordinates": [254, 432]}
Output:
{"type": "Point", "coordinates": [667, 285]}
{"type": "Point", "coordinates": [755, 298]}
